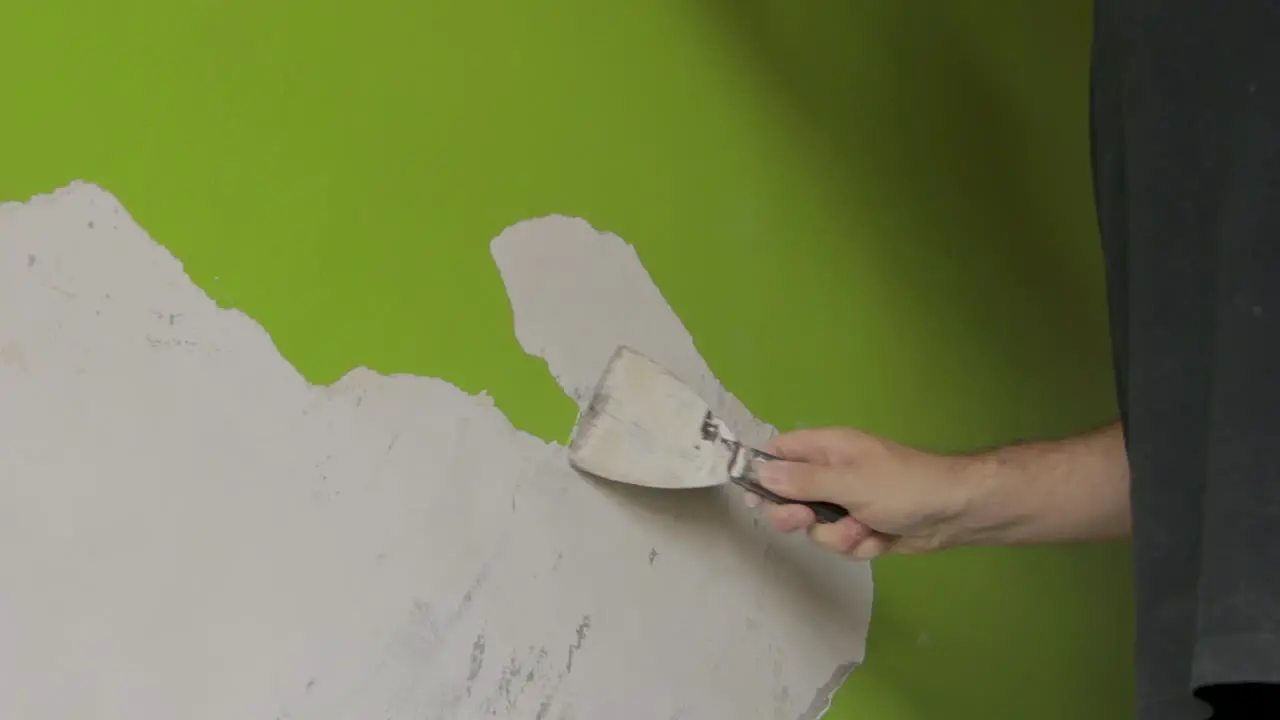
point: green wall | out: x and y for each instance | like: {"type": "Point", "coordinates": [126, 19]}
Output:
{"type": "Point", "coordinates": [896, 192]}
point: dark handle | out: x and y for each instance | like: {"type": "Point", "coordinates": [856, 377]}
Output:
{"type": "Point", "coordinates": [825, 512]}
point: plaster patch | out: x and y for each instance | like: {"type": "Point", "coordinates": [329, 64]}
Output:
{"type": "Point", "coordinates": [189, 529]}
{"type": "Point", "coordinates": [577, 294]}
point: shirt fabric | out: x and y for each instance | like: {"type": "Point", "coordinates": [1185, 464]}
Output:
{"type": "Point", "coordinates": [1186, 145]}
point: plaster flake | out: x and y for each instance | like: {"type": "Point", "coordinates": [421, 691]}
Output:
{"type": "Point", "coordinates": [189, 529]}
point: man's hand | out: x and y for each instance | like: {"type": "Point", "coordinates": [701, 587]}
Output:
{"type": "Point", "coordinates": [899, 499]}
{"type": "Point", "coordinates": [903, 500]}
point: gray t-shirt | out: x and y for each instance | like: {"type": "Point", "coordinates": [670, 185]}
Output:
{"type": "Point", "coordinates": [1186, 135]}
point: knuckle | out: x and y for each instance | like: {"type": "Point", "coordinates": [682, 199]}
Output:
{"type": "Point", "coordinates": [784, 476]}
{"type": "Point", "coordinates": [789, 518]}
{"type": "Point", "coordinates": [799, 476]}
{"type": "Point", "coordinates": [869, 548]}
{"type": "Point", "coordinates": [823, 539]}
{"type": "Point", "coordinates": [858, 532]}
{"type": "Point", "coordinates": [775, 518]}
{"type": "Point", "coordinates": [821, 483]}
{"type": "Point", "coordinates": [840, 537]}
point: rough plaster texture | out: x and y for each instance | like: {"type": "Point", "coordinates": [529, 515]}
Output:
{"type": "Point", "coordinates": [188, 529]}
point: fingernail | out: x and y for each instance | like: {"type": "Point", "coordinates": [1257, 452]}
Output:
{"type": "Point", "coordinates": [752, 500]}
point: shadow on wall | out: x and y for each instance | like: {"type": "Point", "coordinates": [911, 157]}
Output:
{"type": "Point", "coordinates": [961, 128]}
{"type": "Point", "coordinates": [956, 134]}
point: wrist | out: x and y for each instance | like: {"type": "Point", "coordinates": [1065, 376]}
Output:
{"type": "Point", "coordinates": [1074, 489]}
{"type": "Point", "coordinates": [989, 511]}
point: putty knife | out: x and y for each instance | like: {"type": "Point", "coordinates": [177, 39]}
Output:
{"type": "Point", "coordinates": [643, 426]}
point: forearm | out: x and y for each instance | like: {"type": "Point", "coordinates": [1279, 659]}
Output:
{"type": "Point", "coordinates": [1053, 491]}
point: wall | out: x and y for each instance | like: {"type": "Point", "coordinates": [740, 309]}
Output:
{"type": "Point", "coordinates": [899, 197]}
{"type": "Point", "coordinates": [193, 530]}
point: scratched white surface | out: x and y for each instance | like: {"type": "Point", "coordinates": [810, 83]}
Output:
{"type": "Point", "coordinates": [190, 530]}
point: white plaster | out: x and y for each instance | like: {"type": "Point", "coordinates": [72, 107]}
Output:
{"type": "Point", "coordinates": [190, 530]}
{"type": "Point", "coordinates": [577, 294]}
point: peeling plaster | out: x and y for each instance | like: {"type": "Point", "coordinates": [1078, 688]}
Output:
{"type": "Point", "coordinates": [576, 294]}
{"type": "Point", "coordinates": [189, 529]}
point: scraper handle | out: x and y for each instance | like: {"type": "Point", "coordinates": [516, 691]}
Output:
{"type": "Point", "coordinates": [825, 512]}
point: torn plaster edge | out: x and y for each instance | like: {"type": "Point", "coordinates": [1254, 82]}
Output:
{"type": "Point", "coordinates": [823, 696]}
{"type": "Point", "coordinates": [352, 377]}
{"type": "Point", "coordinates": [514, 311]}
{"type": "Point", "coordinates": [112, 202]}
{"type": "Point", "coordinates": [47, 198]}
{"type": "Point", "coordinates": [726, 398]}
{"type": "Point", "coordinates": [358, 373]}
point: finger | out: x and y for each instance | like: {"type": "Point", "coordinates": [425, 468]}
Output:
{"type": "Point", "coordinates": [873, 546]}
{"type": "Point", "coordinates": [824, 446]}
{"type": "Point", "coordinates": [840, 536]}
{"type": "Point", "coordinates": [803, 481]}
{"type": "Point", "coordinates": [751, 499]}
{"type": "Point", "coordinates": [789, 518]}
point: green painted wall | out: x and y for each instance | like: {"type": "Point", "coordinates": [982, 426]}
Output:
{"type": "Point", "coordinates": [896, 192]}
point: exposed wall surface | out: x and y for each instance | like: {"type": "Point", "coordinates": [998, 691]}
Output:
{"type": "Point", "coordinates": [891, 199]}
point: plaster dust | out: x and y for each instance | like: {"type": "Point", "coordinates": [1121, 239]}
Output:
{"type": "Point", "coordinates": [188, 529]}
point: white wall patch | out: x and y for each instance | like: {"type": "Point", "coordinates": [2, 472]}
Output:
{"type": "Point", "coordinates": [188, 529]}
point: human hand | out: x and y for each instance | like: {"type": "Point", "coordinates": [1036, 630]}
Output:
{"type": "Point", "coordinates": [899, 499]}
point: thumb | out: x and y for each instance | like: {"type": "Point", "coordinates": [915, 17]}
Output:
{"type": "Point", "coordinates": [824, 446]}
{"type": "Point", "coordinates": [803, 481]}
